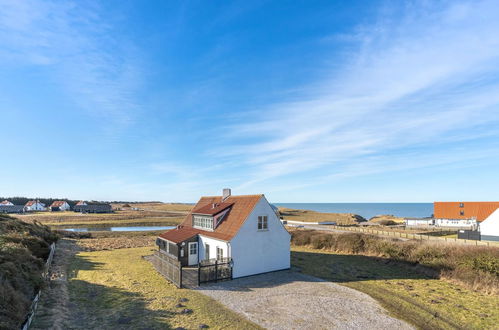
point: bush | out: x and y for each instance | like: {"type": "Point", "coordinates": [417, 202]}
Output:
{"type": "Point", "coordinates": [477, 267]}
{"type": "Point", "coordinates": [23, 250]}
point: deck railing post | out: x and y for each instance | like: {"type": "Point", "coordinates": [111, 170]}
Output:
{"type": "Point", "coordinates": [216, 270]}
{"type": "Point", "coordinates": [199, 274]}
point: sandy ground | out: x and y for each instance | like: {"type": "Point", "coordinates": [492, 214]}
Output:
{"type": "Point", "coordinates": [53, 307]}
{"type": "Point", "coordinates": [290, 300]}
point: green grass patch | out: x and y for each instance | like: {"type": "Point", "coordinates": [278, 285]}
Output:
{"type": "Point", "coordinates": [422, 300]}
{"type": "Point", "coordinates": [120, 289]}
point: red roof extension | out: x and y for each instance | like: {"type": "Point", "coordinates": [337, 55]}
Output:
{"type": "Point", "coordinates": [240, 208]}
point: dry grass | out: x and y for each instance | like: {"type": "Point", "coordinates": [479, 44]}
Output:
{"type": "Point", "coordinates": [170, 207]}
{"type": "Point", "coordinates": [404, 291]}
{"type": "Point", "coordinates": [385, 218]}
{"type": "Point", "coordinates": [119, 289]}
{"type": "Point", "coordinates": [313, 216]}
{"type": "Point", "coordinates": [74, 217]}
{"type": "Point", "coordinates": [24, 248]}
{"type": "Point", "coordinates": [118, 242]}
{"type": "Point", "coordinates": [475, 266]}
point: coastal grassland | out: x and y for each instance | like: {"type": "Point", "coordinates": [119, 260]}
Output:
{"type": "Point", "coordinates": [97, 241]}
{"type": "Point", "coordinates": [477, 267]}
{"type": "Point", "coordinates": [313, 216]}
{"type": "Point", "coordinates": [156, 206]}
{"type": "Point", "coordinates": [147, 221]}
{"type": "Point", "coordinates": [120, 289]}
{"type": "Point", "coordinates": [24, 248]}
{"type": "Point", "coordinates": [70, 216]}
{"type": "Point", "coordinates": [409, 294]}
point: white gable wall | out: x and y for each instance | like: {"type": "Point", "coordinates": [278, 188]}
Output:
{"type": "Point", "coordinates": [36, 207]}
{"type": "Point", "coordinates": [489, 228]}
{"type": "Point", "coordinates": [64, 207]}
{"type": "Point", "coordinates": [213, 244]}
{"type": "Point", "coordinates": [254, 251]}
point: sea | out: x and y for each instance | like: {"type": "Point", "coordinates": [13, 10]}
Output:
{"type": "Point", "coordinates": [367, 210]}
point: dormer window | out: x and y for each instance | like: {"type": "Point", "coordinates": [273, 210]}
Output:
{"type": "Point", "coordinates": [202, 222]}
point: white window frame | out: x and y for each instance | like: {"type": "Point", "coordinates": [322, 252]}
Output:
{"type": "Point", "coordinates": [220, 253]}
{"type": "Point", "coordinates": [207, 251]}
{"type": "Point", "coordinates": [195, 246]}
{"type": "Point", "coordinates": [263, 223]}
{"type": "Point", "coordinates": [202, 222]}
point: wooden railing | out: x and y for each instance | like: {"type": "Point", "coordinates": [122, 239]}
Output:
{"type": "Point", "coordinates": [397, 234]}
{"type": "Point", "coordinates": [168, 267]}
{"type": "Point", "coordinates": [214, 270]}
{"type": "Point", "coordinates": [34, 303]}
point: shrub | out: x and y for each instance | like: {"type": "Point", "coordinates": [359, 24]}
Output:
{"type": "Point", "coordinates": [23, 250]}
{"type": "Point", "coordinates": [475, 266]}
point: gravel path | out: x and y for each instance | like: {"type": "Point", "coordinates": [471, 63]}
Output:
{"type": "Point", "coordinates": [290, 300]}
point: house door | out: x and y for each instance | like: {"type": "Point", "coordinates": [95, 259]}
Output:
{"type": "Point", "coordinates": [193, 253]}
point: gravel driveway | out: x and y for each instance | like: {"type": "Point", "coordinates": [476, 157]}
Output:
{"type": "Point", "coordinates": [291, 300]}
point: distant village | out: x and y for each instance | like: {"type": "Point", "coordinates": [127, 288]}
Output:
{"type": "Point", "coordinates": [7, 206]}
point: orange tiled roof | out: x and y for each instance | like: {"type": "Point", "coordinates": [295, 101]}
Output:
{"type": "Point", "coordinates": [209, 209]}
{"type": "Point", "coordinates": [179, 234]}
{"type": "Point", "coordinates": [57, 203]}
{"type": "Point", "coordinates": [30, 203]}
{"type": "Point", "coordinates": [452, 210]}
{"type": "Point", "coordinates": [241, 207]}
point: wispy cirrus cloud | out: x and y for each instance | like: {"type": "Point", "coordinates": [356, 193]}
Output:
{"type": "Point", "coordinates": [74, 41]}
{"type": "Point", "coordinates": [426, 77]}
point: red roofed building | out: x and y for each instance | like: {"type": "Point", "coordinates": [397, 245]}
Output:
{"type": "Point", "coordinates": [462, 214]}
{"type": "Point", "coordinates": [6, 203]}
{"type": "Point", "coordinates": [35, 206]}
{"type": "Point", "coordinates": [244, 229]}
{"type": "Point", "coordinates": [59, 206]}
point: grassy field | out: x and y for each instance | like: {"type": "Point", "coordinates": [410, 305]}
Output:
{"type": "Point", "coordinates": [421, 300]}
{"type": "Point", "coordinates": [119, 289]}
{"type": "Point", "coordinates": [313, 216]}
{"type": "Point", "coordinates": [147, 221]}
{"type": "Point", "coordinates": [62, 220]}
{"type": "Point", "coordinates": [171, 207]}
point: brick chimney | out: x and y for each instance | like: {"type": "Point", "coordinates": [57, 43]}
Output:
{"type": "Point", "coordinates": [225, 194]}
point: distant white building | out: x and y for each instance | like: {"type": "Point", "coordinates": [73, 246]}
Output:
{"type": "Point", "coordinates": [81, 203]}
{"type": "Point", "coordinates": [489, 228]}
{"type": "Point", "coordinates": [6, 203]}
{"type": "Point", "coordinates": [410, 222]}
{"type": "Point", "coordinates": [34, 206]}
{"type": "Point", "coordinates": [456, 223]}
{"type": "Point", "coordinates": [59, 206]}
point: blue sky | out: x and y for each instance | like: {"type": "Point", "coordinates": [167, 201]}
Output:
{"type": "Point", "coordinates": [323, 101]}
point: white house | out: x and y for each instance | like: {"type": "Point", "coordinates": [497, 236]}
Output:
{"type": "Point", "coordinates": [35, 206]}
{"type": "Point", "coordinates": [419, 222]}
{"type": "Point", "coordinates": [489, 228]}
{"type": "Point", "coordinates": [59, 206]}
{"type": "Point", "coordinates": [456, 223]}
{"type": "Point", "coordinates": [244, 229]}
{"type": "Point", "coordinates": [6, 203]}
{"type": "Point", "coordinates": [81, 203]}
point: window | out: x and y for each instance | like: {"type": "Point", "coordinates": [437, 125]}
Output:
{"type": "Point", "coordinates": [203, 222]}
{"type": "Point", "coordinates": [220, 253]}
{"type": "Point", "coordinates": [461, 204]}
{"type": "Point", "coordinates": [461, 212]}
{"type": "Point", "coordinates": [193, 248]}
{"type": "Point", "coordinates": [263, 223]}
{"type": "Point", "coordinates": [207, 251]}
